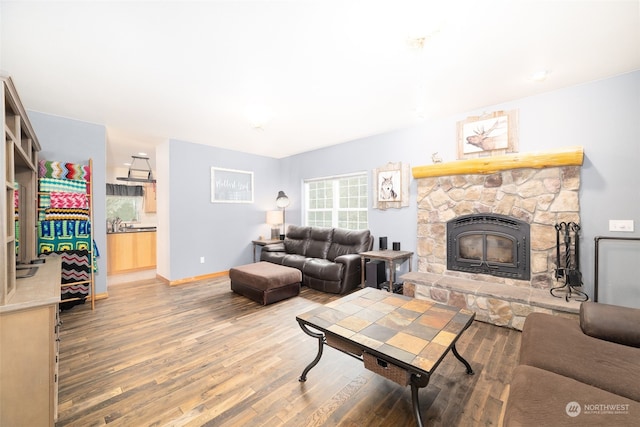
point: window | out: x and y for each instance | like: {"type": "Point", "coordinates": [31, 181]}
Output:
{"type": "Point", "coordinates": [339, 201]}
{"type": "Point", "coordinates": [124, 207]}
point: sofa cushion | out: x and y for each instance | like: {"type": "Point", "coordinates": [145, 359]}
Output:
{"type": "Point", "coordinates": [323, 269]}
{"type": "Point", "coordinates": [319, 241]}
{"type": "Point", "coordinates": [542, 398]}
{"type": "Point", "coordinates": [297, 239]}
{"type": "Point", "coordinates": [611, 323]}
{"type": "Point", "coordinates": [294, 261]}
{"type": "Point", "coordinates": [558, 345]}
{"type": "Point", "coordinates": [349, 242]}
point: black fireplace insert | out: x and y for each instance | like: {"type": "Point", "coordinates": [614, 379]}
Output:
{"type": "Point", "coordinates": [489, 244]}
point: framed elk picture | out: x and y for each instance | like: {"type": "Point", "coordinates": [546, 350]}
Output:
{"type": "Point", "coordinates": [488, 135]}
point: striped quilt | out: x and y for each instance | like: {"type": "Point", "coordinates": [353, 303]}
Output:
{"type": "Point", "coordinates": [62, 170]}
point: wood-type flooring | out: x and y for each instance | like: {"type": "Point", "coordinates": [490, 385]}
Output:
{"type": "Point", "coordinates": [200, 355]}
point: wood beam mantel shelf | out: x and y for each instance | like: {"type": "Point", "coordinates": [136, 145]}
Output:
{"type": "Point", "coordinates": [568, 156]}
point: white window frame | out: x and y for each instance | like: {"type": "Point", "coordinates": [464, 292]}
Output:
{"type": "Point", "coordinates": [336, 198]}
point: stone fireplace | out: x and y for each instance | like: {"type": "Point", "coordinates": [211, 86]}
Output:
{"type": "Point", "coordinates": [479, 204]}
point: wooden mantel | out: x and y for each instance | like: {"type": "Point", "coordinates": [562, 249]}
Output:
{"type": "Point", "coordinates": [568, 156]}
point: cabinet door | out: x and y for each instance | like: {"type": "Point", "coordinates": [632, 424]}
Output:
{"type": "Point", "coordinates": [27, 367]}
{"type": "Point", "coordinates": [121, 252]}
{"type": "Point", "coordinates": [131, 251]}
{"type": "Point", "coordinates": [149, 197]}
{"type": "Point", "coordinates": [146, 249]}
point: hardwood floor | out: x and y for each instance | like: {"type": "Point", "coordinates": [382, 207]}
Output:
{"type": "Point", "coordinates": [200, 355]}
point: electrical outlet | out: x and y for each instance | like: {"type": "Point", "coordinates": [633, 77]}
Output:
{"type": "Point", "coordinates": [201, 260]}
{"type": "Point", "coordinates": [621, 225]}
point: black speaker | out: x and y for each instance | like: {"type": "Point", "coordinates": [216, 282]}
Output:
{"type": "Point", "coordinates": [375, 274]}
{"type": "Point", "coordinates": [383, 243]}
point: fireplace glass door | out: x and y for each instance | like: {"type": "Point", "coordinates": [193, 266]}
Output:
{"type": "Point", "coordinates": [489, 248]}
{"type": "Point", "coordinates": [490, 244]}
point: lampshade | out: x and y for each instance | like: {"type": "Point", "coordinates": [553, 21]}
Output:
{"type": "Point", "coordinates": [274, 217]}
{"type": "Point", "coordinates": [282, 201]}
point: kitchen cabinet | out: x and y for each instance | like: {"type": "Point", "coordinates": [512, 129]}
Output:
{"type": "Point", "coordinates": [131, 251]}
{"type": "Point", "coordinates": [150, 198]}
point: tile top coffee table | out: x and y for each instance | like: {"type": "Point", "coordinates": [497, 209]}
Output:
{"type": "Point", "coordinates": [401, 338]}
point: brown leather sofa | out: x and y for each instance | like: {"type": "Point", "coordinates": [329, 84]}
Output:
{"type": "Point", "coordinates": [572, 373]}
{"type": "Point", "coordinates": [327, 257]}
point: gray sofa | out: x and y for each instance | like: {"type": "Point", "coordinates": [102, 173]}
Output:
{"type": "Point", "coordinates": [327, 257]}
{"type": "Point", "coordinates": [572, 373]}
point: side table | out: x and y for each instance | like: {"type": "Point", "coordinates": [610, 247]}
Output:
{"type": "Point", "coordinates": [390, 258]}
{"type": "Point", "coordinates": [262, 242]}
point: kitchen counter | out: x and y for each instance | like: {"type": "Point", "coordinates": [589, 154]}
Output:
{"type": "Point", "coordinates": [133, 230]}
{"type": "Point", "coordinates": [43, 288]}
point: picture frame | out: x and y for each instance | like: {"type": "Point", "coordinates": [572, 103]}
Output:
{"type": "Point", "coordinates": [390, 186]}
{"type": "Point", "coordinates": [488, 135]}
{"type": "Point", "coordinates": [231, 186]}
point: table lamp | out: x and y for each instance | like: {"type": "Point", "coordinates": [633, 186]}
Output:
{"type": "Point", "coordinates": [274, 219]}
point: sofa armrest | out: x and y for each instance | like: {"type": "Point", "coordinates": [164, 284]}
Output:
{"type": "Point", "coordinates": [348, 259]}
{"type": "Point", "coordinates": [274, 247]}
{"type": "Point", "coordinates": [611, 323]}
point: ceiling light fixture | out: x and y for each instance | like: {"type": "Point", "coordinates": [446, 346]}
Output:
{"type": "Point", "coordinates": [540, 75]}
{"type": "Point", "coordinates": [138, 175]}
{"type": "Point", "coordinates": [258, 116]}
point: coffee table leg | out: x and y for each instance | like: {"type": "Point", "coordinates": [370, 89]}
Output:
{"type": "Point", "coordinates": [416, 384]}
{"type": "Point", "coordinates": [416, 405]}
{"type": "Point", "coordinates": [315, 361]}
{"type": "Point", "coordinates": [462, 359]}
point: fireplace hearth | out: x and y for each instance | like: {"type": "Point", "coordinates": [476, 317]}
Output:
{"type": "Point", "coordinates": [489, 244]}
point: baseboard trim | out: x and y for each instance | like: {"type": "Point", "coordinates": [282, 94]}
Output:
{"type": "Point", "coordinates": [192, 279]}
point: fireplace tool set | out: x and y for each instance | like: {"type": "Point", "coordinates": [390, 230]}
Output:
{"type": "Point", "coordinates": [568, 263]}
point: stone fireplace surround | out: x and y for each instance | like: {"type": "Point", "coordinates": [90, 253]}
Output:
{"type": "Point", "coordinates": [538, 188]}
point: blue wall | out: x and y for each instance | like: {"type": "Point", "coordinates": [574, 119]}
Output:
{"type": "Point", "coordinates": [219, 232]}
{"type": "Point", "coordinates": [601, 116]}
{"type": "Point", "coordinates": [73, 141]}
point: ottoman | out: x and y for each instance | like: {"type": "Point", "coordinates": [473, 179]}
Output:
{"type": "Point", "coordinates": [265, 282]}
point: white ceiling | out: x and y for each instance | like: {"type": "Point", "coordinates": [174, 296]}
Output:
{"type": "Point", "coordinates": [322, 72]}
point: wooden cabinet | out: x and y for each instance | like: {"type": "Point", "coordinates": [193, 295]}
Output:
{"type": "Point", "coordinates": [18, 171]}
{"type": "Point", "coordinates": [29, 346]}
{"type": "Point", "coordinates": [28, 306]}
{"type": "Point", "coordinates": [150, 198]}
{"type": "Point", "coordinates": [131, 251]}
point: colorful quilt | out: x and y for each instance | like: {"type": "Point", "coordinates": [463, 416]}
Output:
{"type": "Point", "coordinates": [53, 214]}
{"type": "Point", "coordinates": [66, 235]}
{"type": "Point", "coordinates": [48, 185]}
{"type": "Point", "coordinates": [60, 199]}
{"type": "Point", "coordinates": [75, 268]}
{"type": "Point", "coordinates": [61, 170]}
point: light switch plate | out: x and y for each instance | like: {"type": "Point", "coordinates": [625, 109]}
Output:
{"type": "Point", "coordinates": [621, 225]}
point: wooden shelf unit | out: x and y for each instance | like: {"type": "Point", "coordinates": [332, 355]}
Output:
{"type": "Point", "coordinates": [28, 306]}
{"type": "Point", "coordinates": [18, 166]}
